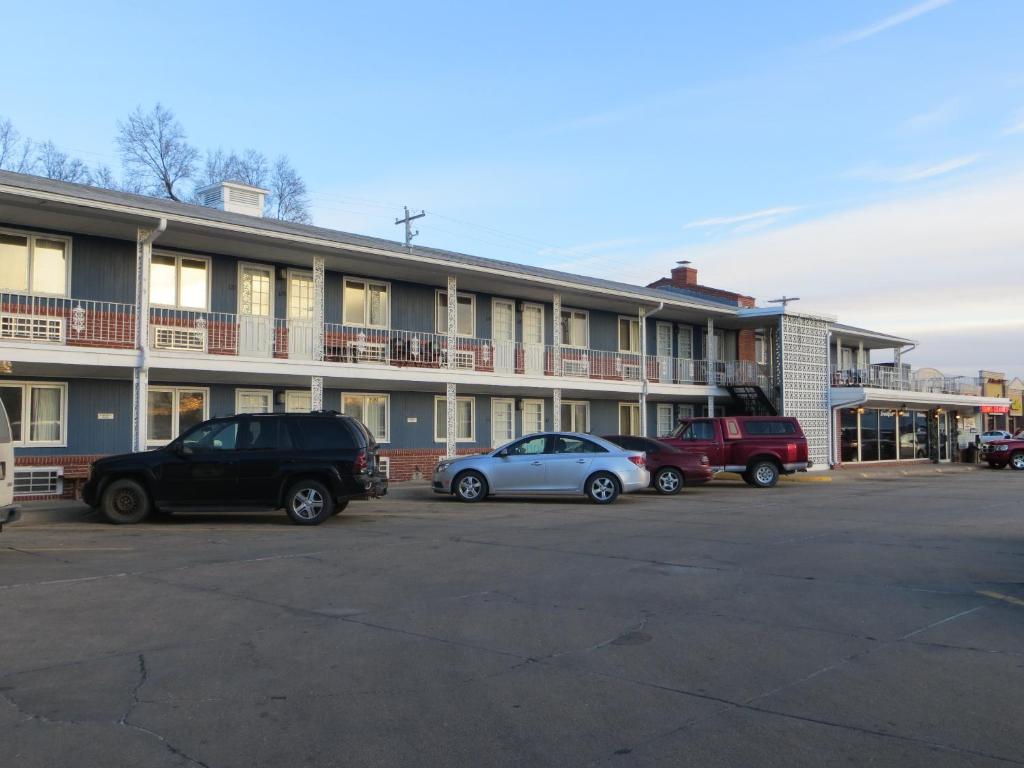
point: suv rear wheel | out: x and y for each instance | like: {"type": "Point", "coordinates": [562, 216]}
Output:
{"type": "Point", "coordinates": [308, 502]}
{"type": "Point", "coordinates": [668, 481]}
{"type": "Point", "coordinates": [763, 474]}
{"type": "Point", "coordinates": [1017, 460]}
{"type": "Point", "coordinates": [125, 501]}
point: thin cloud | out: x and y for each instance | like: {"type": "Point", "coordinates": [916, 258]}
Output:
{"type": "Point", "coordinates": [889, 22]}
{"type": "Point", "coordinates": [944, 113]}
{"type": "Point", "coordinates": [1016, 125]}
{"type": "Point", "coordinates": [908, 173]}
{"type": "Point", "coordinates": [741, 218]}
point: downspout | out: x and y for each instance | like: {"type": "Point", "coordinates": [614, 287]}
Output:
{"type": "Point", "coordinates": [643, 365]}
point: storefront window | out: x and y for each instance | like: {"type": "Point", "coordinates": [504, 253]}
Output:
{"type": "Point", "coordinates": [869, 435]}
{"type": "Point", "coordinates": [848, 429]}
{"type": "Point", "coordinates": [921, 435]}
{"type": "Point", "coordinates": [943, 425]}
{"type": "Point", "coordinates": [907, 449]}
{"type": "Point", "coordinates": [887, 435]}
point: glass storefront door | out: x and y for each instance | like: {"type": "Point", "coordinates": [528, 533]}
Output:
{"type": "Point", "coordinates": [884, 434]}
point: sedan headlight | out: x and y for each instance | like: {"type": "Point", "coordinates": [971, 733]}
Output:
{"type": "Point", "coordinates": [442, 466]}
{"type": "Point", "coordinates": [1001, 448]}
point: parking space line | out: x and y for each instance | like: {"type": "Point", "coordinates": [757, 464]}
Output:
{"type": "Point", "coordinates": [1005, 598]}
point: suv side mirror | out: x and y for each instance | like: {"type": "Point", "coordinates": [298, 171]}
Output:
{"type": "Point", "coordinates": [184, 450]}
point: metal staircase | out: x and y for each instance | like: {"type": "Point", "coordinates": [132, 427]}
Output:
{"type": "Point", "coordinates": [752, 400]}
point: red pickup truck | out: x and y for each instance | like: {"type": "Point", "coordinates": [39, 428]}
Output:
{"type": "Point", "coordinates": [999, 453]}
{"type": "Point", "coordinates": [760, 448]}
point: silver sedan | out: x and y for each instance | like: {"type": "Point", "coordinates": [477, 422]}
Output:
{"type": "Point", "coordinates": [546, 463]}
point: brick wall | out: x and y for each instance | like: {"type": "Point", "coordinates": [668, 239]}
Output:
{"type": "Point", "coordinates": [76, 472]}
{"type": "Point", "coordinates": [409, 463]}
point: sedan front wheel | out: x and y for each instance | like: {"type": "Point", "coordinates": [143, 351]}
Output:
{"type": "Point", "coordinates": [470, 487]}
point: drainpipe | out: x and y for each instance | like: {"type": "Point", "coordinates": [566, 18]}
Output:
{"type": "Point", "coordinates": [643, 364]}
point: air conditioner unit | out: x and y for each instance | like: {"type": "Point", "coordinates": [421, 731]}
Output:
{"type": "Point", "coordinates": [576, 367]}
{"type": "Point", "coordinates": [38, 481]}
{"type": "Point", "coordinates": [186, 339]}
{"type": "Point", "coordinates": [384, 466]}
{"type": "Point", "coordinates": [465, 360]}
{"type": "Point", "coordinates": [32, 328]}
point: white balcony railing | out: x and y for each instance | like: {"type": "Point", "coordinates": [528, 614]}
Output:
{"type": "Point", "coordinates": [75, 322]}
{"type": "Point", "coordinates": [891, 377]}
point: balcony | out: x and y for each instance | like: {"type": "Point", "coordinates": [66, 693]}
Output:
{"type": "Point", "coordinates": [890, 377]}
{"type": "Point", "coordinates": [73, 322]}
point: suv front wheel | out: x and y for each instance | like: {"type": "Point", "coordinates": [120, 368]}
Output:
{"type": "Point", "coordinates": [308, 502]}
{"type": "Point", "coordinates": [125, 501]}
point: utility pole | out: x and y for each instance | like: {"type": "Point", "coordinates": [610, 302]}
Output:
{"type": "Point", "coordinates": [408, 220]}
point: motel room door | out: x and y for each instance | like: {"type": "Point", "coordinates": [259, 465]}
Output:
{"type": "Point", "coordinates": [255, 310]}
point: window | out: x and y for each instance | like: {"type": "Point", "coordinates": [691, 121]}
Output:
{"type": "Point", "coordinates": [575, 416]}
{"type": "Point", "coordinates": [34, 263]}
{"type": "Point", "coordinates": [298, 401]}
{"type": "Point", "coordinates": [665, 421]}
{"type": "Point", "coordinates": [465, 310]}
{"type": "Point", "coordinates": [255, 290]}
{"type": "Point", "coordinates": [531, 446]}
{"type": "Point", "coordinates": [629, 335]}
{"type": "Point", "coordinates": [218, 436]}
{"type": "Point", "coordinates": [179, 281]}
{"type": "Point", "coordinates": [373, 410]}
{"type": "Point", "coordinates": [684, 411]}
{"type": "Point", "coordinates": [575, 328]}
{"type": "Point", "coordinates": [576, 445]}
{"type": "Point", "coordinates": [263, 435]}
{"type": "Point", "coordinates": [365, 302]}
{"type": "Point", "coordinates": [685, 342]}
{"type": "Point", "coordinates": [254, 401]}
{"type": "Point", "coordinates": [465, 419]}
{"type": "Point", "coordinates": [533, 416]}
{"type": "Point", "coordinates": [629, 418]}
{"type": "Point", "coordinates": [770, 428]}
{"type": "Point", "coordinates": [172, 411]}
{"type": "Point", "coordinates": [37, 412]}
{"type": "Point", "coordinates": [324, 434]}
{"type": "Point", "coordinates": [300, 295]}
{"type": "Point", "coordinates": [698, 430]}
{"type": "Point", "coordinates": [503, 424]}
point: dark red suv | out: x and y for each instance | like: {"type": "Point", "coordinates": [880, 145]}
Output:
{"type": "Point", "coordinates": [670, 467]}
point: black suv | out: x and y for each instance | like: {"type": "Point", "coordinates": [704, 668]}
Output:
{"type": "Point", "coordinates": [310, 464]}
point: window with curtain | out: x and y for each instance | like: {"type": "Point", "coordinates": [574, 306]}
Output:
{"type": "Point", "coordinates": [365, 303]}
{"type": "Point", "coordinates": [575, 416]}
{"type": "Point", "coordinates": [254, 401]}
{"type": "Point", "coordinates": [502, 420]}
{"type": "Point", "coordinates": [629, 418]}
{"type": "Point", "coordinates": [629, 335]}
{"type": "Point", "coordinates": [300, 296]}
{"type": "Point", "coordinates": [298, 401]}
{"type": "Point", "coordinates": [36, 412]}
{"type": "Point", "coordinates": [533, 416]}
{"type": "Point", "coordinates": [465, 313]}
{"type": "Point", "coordinates": [575, 328]}
{"type": "Point", "coordinates": [179, 281]}
{"type": "Point", "coordinates": [666, 424]}
{"type": "Point", "coordinates": [372, 410]}
{"type": "Point", "coordinates": [465, 416]}
{"type": "Point", "coordinates": [173, 410]}
{"type": "Point", "coordinates": [33, 263]}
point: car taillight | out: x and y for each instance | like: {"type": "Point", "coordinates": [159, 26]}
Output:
{"type": "Point", "coordinates": [360, 462]}
{"type": "Point", "coordinates": [640, 461]}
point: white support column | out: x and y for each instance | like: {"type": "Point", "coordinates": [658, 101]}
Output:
{"type": "Point", "coordinates": [712, 355]}
{"type": "Point", "coordinates": [316, 393]}
{"type": "Point", "coordinates": [318, 309]}
{"type": "Point", "coordinates": [453, 319]}
{"type": "Point", "coordinates": [450, 434]}
{"type": "Point", "coordinates": [643, 410]}
{"type": "Point", "coordinates": [642, 317]}
{"type": "Point", "coordinates": [556, 410]}
{"type": "Point", "coordinates": [861, 365]}
{"type": "Point", "coordinates": [140, 376]}
{"type": "Point", "coordinates": [839, 352]}
{"type": "Point", "coordinates": [556, 335]}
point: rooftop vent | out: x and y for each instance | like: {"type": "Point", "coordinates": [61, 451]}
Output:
{"type": "Point", "coordinates": [233, 197]}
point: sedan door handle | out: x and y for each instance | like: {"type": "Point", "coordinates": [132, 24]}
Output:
{"type": "Point", "coordinates": [581, 461]}
{"type": "Point", "coordinates": [534, 463]}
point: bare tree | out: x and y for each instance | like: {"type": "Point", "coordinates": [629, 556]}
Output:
{"type": "Point", "coordinates": [53, 163]}
{"type": "Point", "coordinates": [250, 167]}
{"type": "Point", "coordinates": [155, 151]}
{"type": "Point", "coordinates": [288, 199]}
{"type": "Point", "coordinates": [15, 154]}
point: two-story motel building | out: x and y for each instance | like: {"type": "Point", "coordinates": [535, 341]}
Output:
{"type": "Point", "coordinates": [126, 319]}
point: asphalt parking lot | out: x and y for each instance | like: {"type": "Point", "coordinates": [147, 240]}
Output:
{"type": "Point", "coordinates": [876, 622]}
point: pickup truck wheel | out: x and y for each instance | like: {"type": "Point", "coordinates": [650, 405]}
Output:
{"type": "Point", "coordinates": [340, 507]}
{"type": "Point", "coordinates": [470, 487]}
{"type": "Point", "coordinates": [602, 488]}
{"type": "Point", "coordinates": [668, 481]}
{"type": "Point", "coordinates": [308, 502]}
{"type": "Point", "coordinates": [1017, 460]}
{"type": "Point", "coordinates": [125, 501]}
{"type": "Point", "coordinates": [764, 474]}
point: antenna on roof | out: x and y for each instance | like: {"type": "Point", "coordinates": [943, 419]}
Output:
{"type": "Point", "coordinates": [784, 300]}
{"type": "Point", "coordinates": [683, 263]}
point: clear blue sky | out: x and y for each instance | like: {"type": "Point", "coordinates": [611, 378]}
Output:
{"type": "Point", "coordinates": [867, 156]}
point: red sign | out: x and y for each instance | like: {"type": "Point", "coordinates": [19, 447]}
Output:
{"type": "Point", "coordinates": [995, 409]}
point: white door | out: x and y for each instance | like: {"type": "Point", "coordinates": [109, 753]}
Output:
{"type": "Point", "coordinates": [533, 339]}
{"type": "Point", "coordinates": [300, 316]}
{"type": "Point", "coordinates": [663, 344]}
{"type": "Point", "coordinates": [685, 373]}
{"type": "Point", "coordinates": [502, 420]}
{"type": "Point", "coordinates": [503, 336]}
{"type": "Point", "coordinates": [533, 416]}
{"type": "Point", "coordinates": [255, 311]}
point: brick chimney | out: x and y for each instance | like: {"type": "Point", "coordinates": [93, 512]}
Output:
{"type": "Point", "coordinates": [684, 276]}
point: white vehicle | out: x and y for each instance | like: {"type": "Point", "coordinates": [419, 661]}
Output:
{"type": "Point", "coordinates": [995, 434]}
{"type": "Point", "coordinates": [8, 512]}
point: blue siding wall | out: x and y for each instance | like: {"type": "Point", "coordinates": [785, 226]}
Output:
{"type": "Point", "coordinates": [103, 269]}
